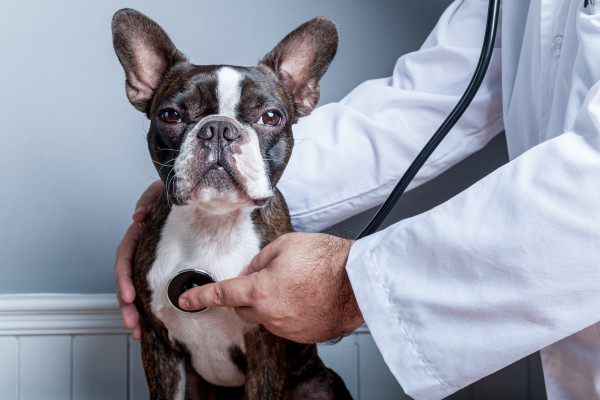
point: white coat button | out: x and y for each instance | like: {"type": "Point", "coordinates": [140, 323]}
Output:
{"type": "Point", "coordinates": [557, 45]}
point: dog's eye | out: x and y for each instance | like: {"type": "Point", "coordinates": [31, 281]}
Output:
{"type": "Point", "coordinates": [170, 116]}
{"type": "Point", "coordinates": [271, 118]}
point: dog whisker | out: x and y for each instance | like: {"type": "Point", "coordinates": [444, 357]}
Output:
{"type": "Point", "coordinates": [168, 163]}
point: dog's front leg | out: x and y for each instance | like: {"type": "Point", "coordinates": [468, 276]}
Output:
{"type": "Point", "coordinates": [165, 367]}
{"type": "Point", "coordinates": [266, 365]}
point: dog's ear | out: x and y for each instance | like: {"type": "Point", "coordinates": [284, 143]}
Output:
{"type": "Point", "coordinates": [145, 52]}
{"type": "Point", "coordinates": [302, 58]}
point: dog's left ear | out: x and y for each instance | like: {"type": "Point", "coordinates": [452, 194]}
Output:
{"type": "Point", "coordinates": [301, 59]}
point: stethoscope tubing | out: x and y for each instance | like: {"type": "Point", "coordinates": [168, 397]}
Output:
{"type": "Point", "coordinates": [462, 105]}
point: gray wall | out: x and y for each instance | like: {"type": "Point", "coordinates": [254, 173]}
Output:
{"type": "Point", "coordinates": [74, 156]}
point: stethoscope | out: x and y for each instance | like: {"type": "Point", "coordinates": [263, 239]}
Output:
{"type": "Point", "coordinates": [190, 278]}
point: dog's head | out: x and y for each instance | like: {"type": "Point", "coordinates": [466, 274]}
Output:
{"type": "Point", "coordinates": [220, 136]}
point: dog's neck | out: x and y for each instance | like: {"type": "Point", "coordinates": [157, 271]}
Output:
{"type": "Point", "coordinates": [220, 244]}
{"type": "Point", "coordinates": [215, 226]}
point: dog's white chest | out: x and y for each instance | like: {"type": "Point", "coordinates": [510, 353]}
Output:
{"type": "Point", "coordinates": [221, 246]}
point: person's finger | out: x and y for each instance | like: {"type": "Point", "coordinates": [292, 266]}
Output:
{"type": "Point", "coordinates": [124, 263]}
{"type": "Point", "coordinates": [235, 292]}
{"type": "Point", "coordinates": [131, 317]}
{"type": "Point", "coordinates": [147, 200]}
{"type": "Point", "coordinates": [137, 332]}
{"type": "Point", "coordinates": [263, 258]}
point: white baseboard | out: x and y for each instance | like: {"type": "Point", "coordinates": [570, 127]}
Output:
{"type": "Point", "coordinates": [60, 314]}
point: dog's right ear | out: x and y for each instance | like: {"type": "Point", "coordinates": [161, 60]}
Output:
{"type": "Point", "coordinates": [145, 52]}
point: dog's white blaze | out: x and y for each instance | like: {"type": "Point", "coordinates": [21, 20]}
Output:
{"type": "Point", "coordinates": [229, 91]}
{"type": "Point", "coordinates": [222, 246]}
{"type": "Point", "coordinates": [249, 162]}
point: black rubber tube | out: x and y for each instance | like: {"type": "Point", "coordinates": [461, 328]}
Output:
{"type": "Point", "coordinates": [482, 66]}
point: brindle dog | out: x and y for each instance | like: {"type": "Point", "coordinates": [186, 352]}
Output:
{"type": "Point", "coordinates": [220, 137]}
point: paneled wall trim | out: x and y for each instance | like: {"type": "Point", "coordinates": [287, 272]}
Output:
{"type": "Point", "coordinates": [59, 314]}
{"type": "Point", "coordinates": [72, 346]}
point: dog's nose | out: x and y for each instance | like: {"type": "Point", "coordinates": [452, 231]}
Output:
{"type": "Point", "coordinates": [219, 130]}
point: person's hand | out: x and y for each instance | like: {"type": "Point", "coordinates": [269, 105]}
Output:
{"type": "Point", "coordinates": [297, 287]}
{"type": "Point", "coordinates": [124, 261]}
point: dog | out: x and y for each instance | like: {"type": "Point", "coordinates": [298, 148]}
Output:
{"type": "Point", "coordinates": [220, 137]}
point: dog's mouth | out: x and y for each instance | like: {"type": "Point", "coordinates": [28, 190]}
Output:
{"type": "Point", "coordinates": [219, 184]}
{"type": "Point", "coordinates": [220, 176]}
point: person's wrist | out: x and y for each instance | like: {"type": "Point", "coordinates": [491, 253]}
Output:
{"type": "Point", "coordinates": [351, 316]}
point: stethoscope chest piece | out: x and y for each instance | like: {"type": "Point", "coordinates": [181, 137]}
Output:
{"type": "Point", "coordinates": [184, 281]}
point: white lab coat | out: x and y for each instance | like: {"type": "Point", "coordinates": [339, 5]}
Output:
{"type": "Point", "coordinates": [511, 265]}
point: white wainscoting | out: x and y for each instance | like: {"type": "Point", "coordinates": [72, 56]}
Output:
{"type": "Point", "coordinates": [70, 346]}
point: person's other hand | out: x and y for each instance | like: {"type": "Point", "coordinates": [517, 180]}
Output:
{"type": "Point", "coordinates": [125, 254]}
{"type": "Point", "coordinates": [297, 287]}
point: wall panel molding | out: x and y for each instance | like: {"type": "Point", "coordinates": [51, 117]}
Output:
{"type": "Point", "coordinates": [60, 314]}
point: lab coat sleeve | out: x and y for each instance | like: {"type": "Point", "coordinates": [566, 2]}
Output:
{"type": "Point", "coordinates": [349, 155]}
{"type": "Point", "coordinates": [504, 269]}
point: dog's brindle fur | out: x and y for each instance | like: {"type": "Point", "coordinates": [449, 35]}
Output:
{"type": "Point", "coordinates": [274, 368]}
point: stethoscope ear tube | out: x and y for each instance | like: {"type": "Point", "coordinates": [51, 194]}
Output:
{"type": "Point", "coordinates": [482, 66]}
